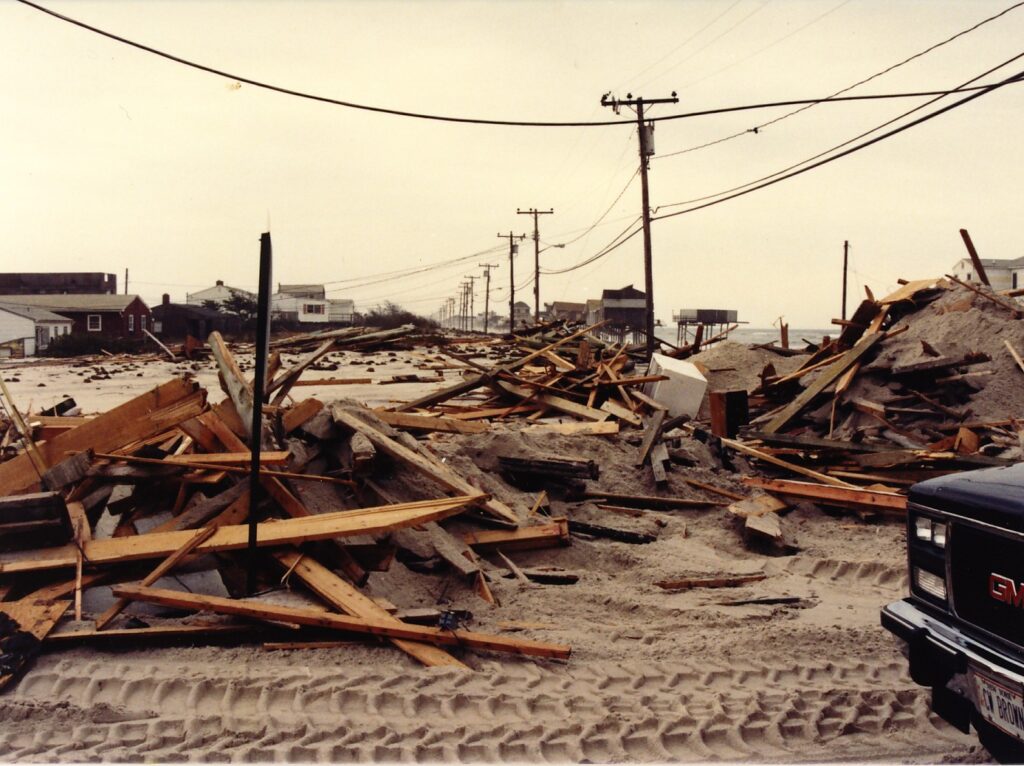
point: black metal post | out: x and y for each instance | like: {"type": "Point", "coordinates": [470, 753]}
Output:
{"type": "Point", "coordinates": [258, 385]}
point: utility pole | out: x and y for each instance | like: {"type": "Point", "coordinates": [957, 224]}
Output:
{"type": "Point", "coordinates": [126, 281]}
{"type": "Point", "coordinates": [536, 256]}
{"type": "Point", "coordinates": [451, 311]}
{"type": "Point", "coordinates": [513, 248]}
{"type": "Point", "coordinates": [846, 255]}
{"type": "Point", "coordinates": [463, 306]}
{"type": "Point", "coordinates": [472, 302]}
{"type": "Point", "coordinates": [487, 291]}
{"type": "Point", "coordinates": [646, 134]}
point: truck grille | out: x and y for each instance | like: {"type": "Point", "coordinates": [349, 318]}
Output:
{"type": "Point", "coordinates": [988, 581]}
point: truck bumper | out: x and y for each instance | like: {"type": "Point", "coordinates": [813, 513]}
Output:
{"type": "Point", "coordinates": [942, 656]}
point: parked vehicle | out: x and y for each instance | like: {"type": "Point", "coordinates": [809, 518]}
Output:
{"type": "Point", "coordinates": [964, 619]}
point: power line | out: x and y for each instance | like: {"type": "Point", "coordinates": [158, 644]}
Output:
{"type": "Point", "coordinates": [447, 118]}
{"type": "Point", "coordinates": [979, 91]}
{"type": "Point", "coordinates": [1015, 78]}
{"type": "Point", "coordinates": [615, 243]}
{"type": "Point", "coordinates": [836, 96]}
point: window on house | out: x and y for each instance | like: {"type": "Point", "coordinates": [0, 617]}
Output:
{"type": "Point", "coordinates": [1014, 285]}
{"type": "Point", "coordinates": [131, 323]}
{"type": "Point", "coordinates": [93, 322]}
{"type": "Point", "coordinates": [313, 308]}
{"type": "Point", "coordinates": [142, 322]}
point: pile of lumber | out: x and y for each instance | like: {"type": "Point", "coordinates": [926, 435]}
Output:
{"type": "Point", "coordinates": [153, 503]}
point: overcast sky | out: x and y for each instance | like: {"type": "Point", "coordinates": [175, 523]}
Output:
{"type": "Point", "coordinates": [113, 158]}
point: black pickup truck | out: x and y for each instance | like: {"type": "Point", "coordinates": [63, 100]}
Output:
{"type": "Point", "coordinates": [964, 619]}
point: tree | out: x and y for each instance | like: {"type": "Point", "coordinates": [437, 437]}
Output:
{"type": "Point", "coordinates": [242, 306]}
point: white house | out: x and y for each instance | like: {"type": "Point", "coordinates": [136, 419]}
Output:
{"type": "Point", "coordinates": [293, 309]}
{"type": "Point", "coordinates": [219, 293]}
{"type": "Point", "coordinates": [1002, 273]}
{"type": "Point", "coordinates": [341, 309]}
{"type": "Point", "coordinates": [24, 330]}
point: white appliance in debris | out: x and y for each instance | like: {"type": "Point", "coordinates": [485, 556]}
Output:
{"type": "Point", "coordinates": [684, 390]}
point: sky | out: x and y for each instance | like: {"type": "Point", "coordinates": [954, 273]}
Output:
{"type": "Point", "coordinates": [112, 158]}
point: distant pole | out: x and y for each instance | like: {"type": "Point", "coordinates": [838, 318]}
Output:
{"type": "Point", "coordinates": [846, 256]}
{"type": "Point", "coordinates": [512, 247]}
{"type": "Point", "coordinates": [487, 291]}
{"type": "Point", "coordinates": [646, 135]}
{"type": "Point", "coordinates": [126, 281]}
{"type": "Point", "coordinates": [258, 386]}
{"type": "Point", "coordinates": [536, 256]}
{"type": "Point", "coordinates": [472, 302]}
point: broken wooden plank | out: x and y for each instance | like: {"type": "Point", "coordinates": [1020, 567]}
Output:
{"type": "Point", "coordinates": [604, 428]}
{"type": "Point", "coordinates": [147, 414]}
{"type": "Point", "coordinates": [622, 413]}
{"type": "Point", "coordinates": [714, 490]}
{"type": "Point", "coordinates": [284, 382]}
{"type": "Point", "coordinates": [428, 423]}
{"type": "Point", "coordinates": [234, 382]}
{"type": "Point", "coordinates": [758, 505]}
{"type": "Point", "coordinates": [1014, 354]}
{"type": "Point", "coordinates": [322, 619]}
{"type": "Point", "coordinates": [824, 380]}
{"type": "Point", "coordinates": [652, 433]}
{"type": "Point", "coordinates": [298, 415]}
{"type": "Point", "coordinates": [761, 455]}
{"type": "Point", "coordinates": [610, 533]}
{"type": "Point", "coordinates": [649, 501]}
{"type": "Point", "coordinates": [36, 618]}
{"type": "Point", "coordinates": [433, 470]}
{"type": "Point", "coordinates": [235, 537]}
{"type": "Point", "coordinates": [1013, 308]}
{"type": "Point", "coordinates": [550, 535]}
{"type": "Point", "coordinates": [855, 496]}
{"type": "Point", "coordinates": [341, 595]}
{"type": "Point", "coordinates": [559, 403]}
{"type": "Point", "coordinates": [722, 581]}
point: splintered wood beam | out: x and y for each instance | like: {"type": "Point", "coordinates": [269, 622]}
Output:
{"type": "Point", "coordinates": [650, 501]}
{"type": "Point", "coordinates": [235, 384]}
{"type": "Point", "coordinates": [299, 414]}
{"type": "Point", "coordinates": [429, 468]}
{"type": "Point", "coordinates": [339, 594]}
{"type": "Point", "coordinates": [35, 617]}
{"type": "Point", "coordinates": [799, 469]}
{"type": "Point", "coordinates": [429, 423]}
{"type": "Point", "coordinates": [1013, 308]}
{"type": "Point", "coordinates": [723, 581]}
{"type": "Point", "coordinates": [235, 537]}
{"type": "Point", "coordinates": [1014, 354]}
{"type": "Point", "coordinates": [854, 496]}
{"type": "Point", "coordinates": [555, 533]}
{"type": "Point", "coordinates": [604, 428]}
{"type": "Point", "coordinates": [147, 414]}
{"type": "Point", "coordinates": [559, 403]}
{"type": "Point", "coordinates": [287, 379]}
{"type": "Point", "coordinates": [826, 378]}
{"type": "Point", "coordinates": [320, 619]}
{"type": "Point", "coordinates": [481, 380]}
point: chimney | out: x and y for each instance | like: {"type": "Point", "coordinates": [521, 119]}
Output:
{"type": "Point", "coordinates": [167, 299]}
{"type": "Point", "coordinates": [220, 283]}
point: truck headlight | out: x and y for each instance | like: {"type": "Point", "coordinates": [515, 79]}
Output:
{"type": "Point", "coordinates": [930, 531]}
{"type": "Point", "coordinates": [930, 583]}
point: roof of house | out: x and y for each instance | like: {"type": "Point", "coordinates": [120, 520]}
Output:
{"type": "Point", "coordinates": [197, 312]}
{"type": "Point", "coordinates": [1000, 263]}
{"type": "Point", "coordinates": [626, 292]}
{"type": "Point", "coordinates": [216, 288]}
{"type": "Point", "coordinates": [294, 289]}
{"type": "Point", "coordinates": [72, 302]}
{"type": "Point", "coordinates": [33, 312]}
{"type": "Point", "coordinates": [567, 306]}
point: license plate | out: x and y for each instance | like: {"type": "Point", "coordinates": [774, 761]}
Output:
{"type": "Point", "coordinates": [1001, 704]}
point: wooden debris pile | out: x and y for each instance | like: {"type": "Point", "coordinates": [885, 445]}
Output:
{"type": "Point", "coordinates": [149, 503]}
{"type": "Point", "coordinates": [920, 383]}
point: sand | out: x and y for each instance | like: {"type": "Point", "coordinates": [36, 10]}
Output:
{"type": "Point", "coordinates": [654, 676]}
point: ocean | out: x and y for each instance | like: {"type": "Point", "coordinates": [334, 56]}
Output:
{"type": "Point", "coordinates": [750, 335]}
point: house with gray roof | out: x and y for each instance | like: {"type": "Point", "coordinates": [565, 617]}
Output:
{"type": "Point", "coordinates": [102, 315]}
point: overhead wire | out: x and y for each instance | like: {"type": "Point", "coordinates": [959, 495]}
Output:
{"type": "Point", "coordinates": [976, 92]}
{"type": "Point", "coordinates": [440, 117]}
{"type": "Point", "coordinates": [895, 131]}
{"type": "Point", "coordinates": [836, 97]}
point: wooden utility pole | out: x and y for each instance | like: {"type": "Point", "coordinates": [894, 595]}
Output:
{"type": "Point", "coordinates": [646, 134]}
{"type": "Point", "coordinates": [846, 257]}
{"type": "Point", "coordinates": [258, 386]}
{"type": "Point", "coordinates": [512, 249]}
{"type": "Point", "coordinates": [487, 291]}
{"type": "Point", "coordinates": [472, 302]}
{"type": "Point", "coordinates": [536, 256]}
